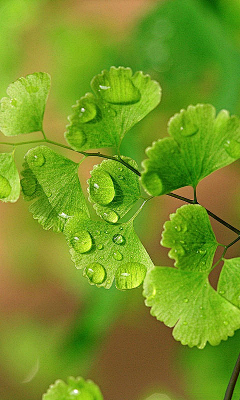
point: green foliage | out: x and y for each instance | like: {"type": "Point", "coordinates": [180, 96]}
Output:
{"type": "Point", "coordinates": [22, 111]}
{"type": "Point", "coordinates": [199, 144]}
{"type": "Point", "coordinates": [184, 297]}
{"type": "Point", "coordinates": [74, 389]}
{"type": "Point", "coordinates": [9, 178]}
{"type": "Point", "coordinates": [120, 100]}
{"type": "Point", "coordinates": [107, 251]}
{"type": "Point", "coordinates": [114, 189]}
{"type": "Point", "coordinates": [51, 180]}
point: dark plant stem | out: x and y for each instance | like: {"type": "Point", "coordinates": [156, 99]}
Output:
{"type": "Point", "coordinates": [233, 380]}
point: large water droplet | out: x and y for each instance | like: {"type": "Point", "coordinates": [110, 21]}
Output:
{"type": "Point", "coordinates": [117, 256]}
{"type": "Point", "coordinates": [130, 275]}
{"type": "Point", "coordinates": [29, 186]}
{"type": "Point", "coordinates": [120, 91]}
{"type": "Point", "coordinates": [232, 147]}
{"type": "Point", "coordinates": [119, 239]}
{"type": "Point", "coordinates": [88, 111]}
{"type": "Point", "coordinates": [110, 216]}
{"type": "Point", "coordinates": [82, 241]}
{"type": "Point", "coordinates": [96, 273]}
{"type": "Point", "coordinates": [38, 159]}
{"type": "Point", "coordinates": [5, 187]}
{"type": "Point", "coordinates": [101, 188]}
{"type": "Point", "coordinates": [188, 128]}
{"type": "Point", "coordinates": [76, 138]}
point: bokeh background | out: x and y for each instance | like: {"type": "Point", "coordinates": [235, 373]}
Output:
{"type": "Point", "coordinates": [52, 322]}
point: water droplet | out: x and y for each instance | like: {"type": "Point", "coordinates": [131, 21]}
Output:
{"type": "Point", "coordinates": [221, 291]}
{"type": "Point", "coordinates": [180, 251]}
{"type": "Point", "coordinates": [82, 241]}
{"type": "Point", "coordinates": [5, 187]}
{"type": "Point", "coordinates": [111, 216]}
{"type": "Point", "coordinates": [201, 307]}
{"type": "Point", "coordinates": [119, 90]}
{"type": "Point", "coordinates": [186, 300]}
{"type": "Point", "coordinates": [88, 111]}
{"type": "Point", "coordinates": [74, 392]}
{"type": "Point", "coordinates": [38, 160]}
{"type": "Point", "coordinates": [119, 239]}
{"type": "Point", "coordinates": [225, 323]}
{"type": "Point", "coordinates": [101, 188]}
{"type": "Point", "coordinates": [184, 228]}
{"type": "Point", "coordinates": [106, 232]}
{"type": "Point", "coordinates": [29, 186]}
{"type": "Point", "coordinates": [76, 138]}
{"type": "Point", "coordinates": [13, 102]}
{"type": "Point", "coordinates": [152, 292]}
{"type": "Point", "coordinates": [96, 273]}
{"type": "Point", "coordinates": [232, 147]}
{"type": "Point", "coordinates": [100, 246]}
{"type": "Point", "coordinates": [120, 169]}
{"type": "Point", "coordinates": [111, 112]}
{"type": "Point", "coordinates": [188, 128]}
{"type": "Point", "coordinates": [63, 215]}
{"type": "Point", "coordinates": [117, 256]}
{"type": "Point", "coordinates": [184, 322]}
{"type": "Point", "coordinates": [202, 252]}
{"type": "Point", "coordinates": [130, 275]}
{"type": "Point", "coordinates": [121, 228]}
{"type": "Point", "coordinates": [178, 228]}
{"type": "Point", "coordinates": [97, 233]}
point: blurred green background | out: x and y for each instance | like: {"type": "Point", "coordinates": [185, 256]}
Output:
{"type": "Point", "coordinates": [53, 323]}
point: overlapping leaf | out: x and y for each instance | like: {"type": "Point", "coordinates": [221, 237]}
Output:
{"type": "Point", "coordinates": [51, 180]}
{"type": "Point", "coordinates": [22, 111]}
{"type": "Point", "coordinates": [107, 251]}
{"type": "Point", "coordinates": [74, 389]}
{"type": "Point", "coordinates": [229, 281]}
{"type": "Point", "coordinates": [183, 297]}
{"type": "Point", "coordinates": [200, 142]}
{"type": "Point", "coordinates": [9, 178]}
{"type": "Point", "coordinates": [120, 100]}
{"type": "Point", "coordinates": [113, 188]}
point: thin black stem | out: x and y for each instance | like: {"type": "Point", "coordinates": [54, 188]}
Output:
{"type": "Point", "coordinates": [232, 228]}
{"type": "Point", "coordinates": [177, 196]}
{"type": "Point", "coordinates": [233, 380]}
{"type": "Point", "coordinates": [233, 242]}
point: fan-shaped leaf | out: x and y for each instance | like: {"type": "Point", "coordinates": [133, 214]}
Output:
{"type": "Point", "coordinates": [74, 389]}
{"type": "Point", "coordinates": [9, 178]}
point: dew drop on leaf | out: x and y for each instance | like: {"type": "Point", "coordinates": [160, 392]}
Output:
{"type": "Point", "coordinates": [186, 300]}
{"type": "Point", "coordinates": [77, 138]}
{"type": "Point", "coordinates": [82, 241]}
{"type": "Point", "coordinates": [221, 291]}
{"type": "Point", "coordinates": [5, 187]}
{"type": "Point", "coordinates": [87, 112]}
{"type": "Point", "coordinates": [225, 323]}
{"type": "Point", "coordinates": [232, 147]}
{"type": "Point", "coordinates": [180, 251]}
{"type": "Point", "coordinates": [29, 186]}
{"type": "Point", "coordinates": [119, 239]}
{"type": "Point", "coordinates": [117, 256]}
{"type": "Point", "coordinates": [100, 246]}
{"type": "Point", "coordinates": [202, 252]}
{"type": "Point", "coordinates": [184, 322]}
{"type": "Point", "coordinates": [96, 273]}
{"type": "Point", "coordinates": [130, 275]}
{"type": "Point", "coordinates": [101, 188]}
{"type": "Point", "coordinates": [188, 127]}
{"type": "Point", "coordinates": [119, 92]}
{"type": "Point", "coordinates": [74, 392]}
{"type": "Point", "coordinates": [38, 160]}
{"type": "Point", "coordinates": [178, 228]}
{"type": "Point", "coordinates": [111, 216]}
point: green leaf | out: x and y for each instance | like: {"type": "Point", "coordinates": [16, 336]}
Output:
{"type": "Point", "coordinates": [74, 389]}
{"type": "Point", "coordinates": [107, 251]}
{"type": "Point", "coordinates": [9, 178]}
{"type": "Point", "coordinates": [229, 281]}
{"type": "Point", "coordinates": [113, 188]}
{"type": "Point", "coordinates": [51, 180]}
{"type": "Point", "coordinates": [183, 297]}
{"type": "Point", "coordinates": [22, 111]}
{"type": "Point", "coordinates": [190, 236]}
{"type": "Point", "coordinates": [200, 143]}
{"type": "Point", "coordinates": [120, 100]}
{"type": "Point", "coordinates": [186, 299]}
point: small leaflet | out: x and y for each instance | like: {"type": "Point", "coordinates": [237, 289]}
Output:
{"type": "Point", "coordinates": [120, 100]}
{"type": "Point", "coordinates": [114, 189]}
{"type": "Point", "coordinates": [9, 178]}
{"type": "Point", "coordinates": [51, 181]}
{"type": "Point", "coordinates": [107, 252]}
{"type": "Point", "coordinates": [75, 388]}
{"type": "Point", "coordinates": [182, 297]}
{"type": "Point", "coordinates": [200, 143]}
{"type": "Point", "coordinates": [22, 111]}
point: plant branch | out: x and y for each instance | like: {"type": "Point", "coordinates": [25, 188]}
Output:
{"type": "Point", "coordinates": [233, 380]}
{"type": "Point", "coordinates": [232, 228]}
